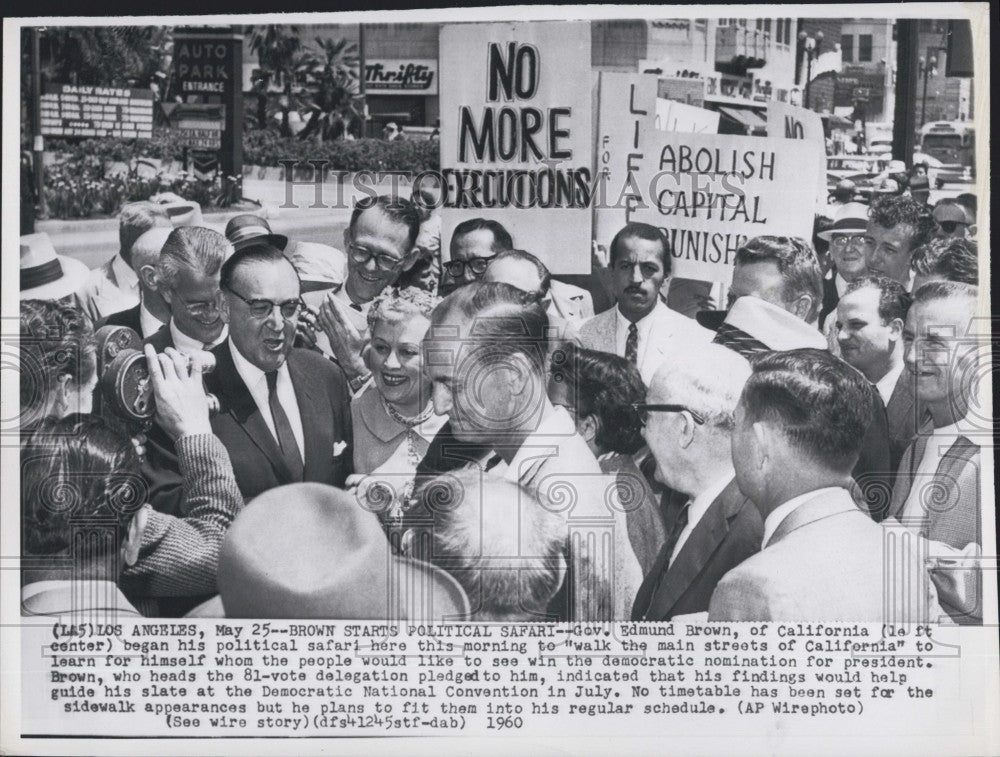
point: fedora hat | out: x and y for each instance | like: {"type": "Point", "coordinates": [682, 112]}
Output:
{"type": "Point", "coordinates": [318, 263]}
{"type": "Point", "coordinates": [46, 275]}
{"type": "Point", "coordinates": [312, 551]}
{"type": "Point", "coordinates": [247, 229]}
{"type": "Point", "coordinates": [850, 218]}
{"type": "Point", "coordinates": [773, 327]}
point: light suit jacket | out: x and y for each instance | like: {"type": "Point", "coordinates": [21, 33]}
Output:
{"type": "Point", "coordinates": [828, 561]}
{"type": "Point", "coordinates": [100, 295]}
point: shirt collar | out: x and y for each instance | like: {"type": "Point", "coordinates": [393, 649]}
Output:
{"type": "Point", "coordinates": [643, 325]}
{"type": "Point", "coordinates": [359, 318]}
{"type": "Point", "coordinates": [149, 324]}
{"type": "Point", "coordinates": [554, 426]}
{"type": "Point", "coordinates": [124, 275]}
{"type": "Point", "coordinates": [700, 504]}
{"type": "Point", "coordinates": [841, 284]}
{"type": "Point", "coordinates": [888, 383]}
{"type": "Point", "coordinates": [184, 343]}
{"type": "Point", "coordinates": [776, 516]}
{"type": "Point", "coordinates": [250, 373]}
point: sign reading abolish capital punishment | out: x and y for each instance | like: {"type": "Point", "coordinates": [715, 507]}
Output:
{"type": "Point", "coordinates": [712, 192]}
{"type": "Point", "coordinates": [516, 135]}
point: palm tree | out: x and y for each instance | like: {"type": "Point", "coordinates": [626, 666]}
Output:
{"type": "Point", "coordinates": [333, 91]}
{"type": "Point", "coordinates": [279, 52]}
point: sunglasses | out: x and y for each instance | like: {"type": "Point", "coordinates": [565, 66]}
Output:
{"type": "Point", "coordinates": [948, 227]}
{"type": "Point", "coordinates": [456, 268]}
{"type": "Point", "coordinates": [642, 410]}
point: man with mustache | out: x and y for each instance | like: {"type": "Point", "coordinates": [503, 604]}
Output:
{"type": "Point", "coordinates": [641, 328]}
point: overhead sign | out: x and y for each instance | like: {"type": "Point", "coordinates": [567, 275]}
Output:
{"type": "Point", "coordinates": [626, 111]}
{"type": "Point", "coordinates": [68, 110]}
{"type": "Point", "coordinates": [675, 116]}
{"type": "Point", "coordinates": [401, 77]}
{"type": "Point", "coordinates": [517, 135]}
{"type": "Point", "coordinates": [791, 122]}
{"type": "Point", "coordinates": [712, 192]}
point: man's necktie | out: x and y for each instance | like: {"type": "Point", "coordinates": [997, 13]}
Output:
{"type": "Point", "coordinates": [356, 306]}
{"type": "Point", "coordinates": [739, 341]}
{"type": "Point", "coordinates": [283, 429]}
{"type": "Point", "coordinates": [632, 345]}
{"type": "Point", "coordinates": [663, 560]}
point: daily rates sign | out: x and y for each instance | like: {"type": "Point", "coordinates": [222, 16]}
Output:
{"type": "Point", "coordinates": [517, 135]}
{"type": "Point", "coordinates": [712, 192]}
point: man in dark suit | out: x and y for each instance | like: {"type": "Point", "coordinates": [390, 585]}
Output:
{"type": "Point", "coordinates": [152, 311]}
{"type": "Point", "coordinates": [869, 330]}
{"type": "Point", "coordinates": [286, 413]}
{"type": "Point", "coordinates": [689, 421]}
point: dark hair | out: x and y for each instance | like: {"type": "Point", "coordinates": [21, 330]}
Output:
{"type": "Point", "coordinates": [412, 276]}
{"type": "Point", "coordinates": [797, 263]}
{"type": "Point", "coordinates": [399, 209]}
{"type": "Point", "coordinates": [943, 290]}
{"type": "Point", "coordinates": [889, 212]}
{"type": "Point", "coordinates": [72, 469]}
{"type": "Point", "coordinates": [951, 258]}
{"type": "Point", "coordinates": [605, 386]}
{"type": "Point", "coordinates": [502, 240]}
{"type": "Point", "coordinates": [893, 300]}
{"type": "Point", "coordinates": [255, 253]}
{"type": "Point", "coordinates": [821, 224]}
{"type": "Point", "coordinates": [544, 277]}
{"type": "Point", "coordinates": [822, 405]}
{"type": "Point", "coordinates": [645, 231]}
{"type": "Point", "coordinates": [56, 340]}
{"type": "Point", "coordinates": [424, 203]}
{"type": "Point", "coordinates": [968, 201]}
{"type": "Point", "coordinates": [503, 320]}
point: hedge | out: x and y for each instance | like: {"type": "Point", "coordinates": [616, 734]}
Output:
{"type": "Point", "coordinates": [267, 148]}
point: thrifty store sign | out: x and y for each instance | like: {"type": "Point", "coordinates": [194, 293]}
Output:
{"type": "Point", "coordinates": [516, 135]}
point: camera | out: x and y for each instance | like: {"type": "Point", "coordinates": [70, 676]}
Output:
{"type": "Point", "coordinates": [125, 389]}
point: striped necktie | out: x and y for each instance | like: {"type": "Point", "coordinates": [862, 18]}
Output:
{"type": "Point", "coordinates": [632, 345]}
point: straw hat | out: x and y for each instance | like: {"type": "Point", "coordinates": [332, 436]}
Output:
{"type": "Point", "coordinates": [247, 229]}
{"type": "Point", "coordinates": [46, 275]}
{"type": "Point", "coordinates": [850, 218]}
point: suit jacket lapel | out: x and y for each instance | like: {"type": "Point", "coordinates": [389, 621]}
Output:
{"type": "Point", "coordinates": [702, 542]}
{"type": "Point", "coordinates": [236, 400]}
{"type": "Point", "coordinates": [607, 331]}
{"type": "Point", "coordinates": [317, 418]}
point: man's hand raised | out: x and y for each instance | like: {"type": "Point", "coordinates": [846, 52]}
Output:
{"type": "Point", "coordinates": [181, 403]}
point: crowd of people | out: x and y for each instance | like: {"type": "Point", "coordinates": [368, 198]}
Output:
{"type": "Point", "coordinates": [380, 431]}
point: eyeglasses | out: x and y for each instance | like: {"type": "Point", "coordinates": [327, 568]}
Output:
{"type": "Point", "coordinates": [848, 240]}
{"type": "Point", "coordinates": [264, 308]}
{"type": "Point", "coordinates": [456, 268]}
{"type": "Point", "coordinates": [384, 262]}
{"type": "Point", "coordinates": [642, 410]}
{"type": "Point", "coordinates": [948, 227]}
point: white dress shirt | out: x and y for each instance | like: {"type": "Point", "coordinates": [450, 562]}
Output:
{"type": "Point", "coordinates": [888, 382]}
{"type": "Point", "coordinates": [127, 279]}
{"type": "Point", "coordinates": [642, 326]}
{"type": "Point", "coordinates": [778, 514]}
{"type": "Point", "coordinates": [186, 345]}
{"type": "Point", "coordinates": [149, 324]}
{"type": "Point", "coordinates": [698, 507]}
{"type": "Point", "coordinates": [840, 283]}
{"type": "Point", "coordinates": [256, 382]}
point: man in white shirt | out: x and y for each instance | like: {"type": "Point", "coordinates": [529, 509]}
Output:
{"type": "Point", "coordinates": [938, 489]}
{"type": "Point", "coordinates": [688, 424]}
{"type": "Point", "coordinates": [114, 286]}
{"type": "Point", "coordinates": [381, 243]}
{"type": "Point", "coordinates": [641, 328]}
{"type": "Point", "coordinates": [798, 433]}
{"type": "Point", "coordinates": [485, 355]}
{"type": "Point", "coordinates": [285, 412]}
{"type": "Point", "coordinates": [152, 312]}
{"type": "Point", "coordinates": [869, 329]}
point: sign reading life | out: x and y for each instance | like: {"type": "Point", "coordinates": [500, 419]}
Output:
{"type": "Point", "coordinates": [508, 132]}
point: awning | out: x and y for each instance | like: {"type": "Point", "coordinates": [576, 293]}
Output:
{"type": "Point", "coordinates": [747, 117]}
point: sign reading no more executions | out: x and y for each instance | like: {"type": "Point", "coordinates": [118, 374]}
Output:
{"type": "Point", "coordinates": [516, 135]}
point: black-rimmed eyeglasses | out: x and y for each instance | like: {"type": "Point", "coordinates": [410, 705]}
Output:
{"type": "Point", "coordinates": [642, 410]}
{"type": "Point", "coordinates": [264, 308]}
{"type": "Point", "coordinates": [383, 261]}
{"type": "Point", "coordinates": [456, 268]}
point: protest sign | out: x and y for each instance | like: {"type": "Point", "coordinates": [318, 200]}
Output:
{"type": "Point", "coordinates": [712, 192]}
{"type": "Point", "coordinates": [791, 122]}
{"type": "Point", "coordinates": [626, 111]}
{"type": "Point", "coordinates": [675, 116]}
{"type": "Point", "coordinates": [517, 135]}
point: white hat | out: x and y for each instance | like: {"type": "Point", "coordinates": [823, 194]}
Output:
{"type": "Point", "coordinates": [46, 275]}
{"type": "Point", "coordinates": [851, 218]}
{"type": "Point", "coordinates": [772, 326]}
{"type": "Point", "coordinates": [896, 166]}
